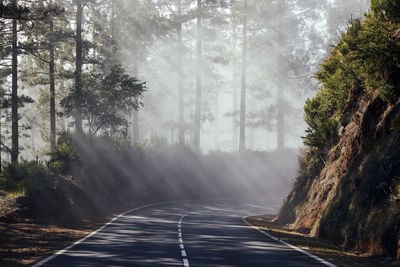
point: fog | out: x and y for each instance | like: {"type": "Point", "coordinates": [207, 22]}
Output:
{"type": "Point", "coordinates": [225, 84]}
{"type": "Point", "coordinates": [287, 40]}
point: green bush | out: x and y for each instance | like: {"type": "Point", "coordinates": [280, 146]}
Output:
{"type": "Point", "coordinates": [321, 125]}
{"type": "Point", "coordinates": [24, 176]}
{"type": "Point", "coordinates": [365, 58]}
{"type": "Point", "coordinates": [62, 157]}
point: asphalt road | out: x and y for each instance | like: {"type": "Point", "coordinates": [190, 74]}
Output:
{"type": "Point", "coordinates": [183, 234]}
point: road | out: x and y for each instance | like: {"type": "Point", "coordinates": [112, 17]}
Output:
{"type": "Point", "coordinates": [183, 234]}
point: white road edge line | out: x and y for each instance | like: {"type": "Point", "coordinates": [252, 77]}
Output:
{"type": "Point", "coordinates": [315, 257]}
{"type": "Point", "coordinates": [62, 251]}
{"type": "Point", "coordinates": [180, 241]}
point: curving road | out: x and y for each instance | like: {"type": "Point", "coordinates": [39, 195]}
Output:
{"type": "Point", "coordinates": [182, 234]}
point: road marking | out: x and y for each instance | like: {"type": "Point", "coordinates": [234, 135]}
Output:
{"type": "Point", "coordinates": [183, 251]}
{"type": "Point", "coordinates": [315, 257]}
{"type": "Point", "coordinates": [62, 251]}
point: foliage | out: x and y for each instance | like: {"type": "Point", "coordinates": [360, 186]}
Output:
{"type": "Point", "coordinates": [367, 57]}
{"type": "Point", "coordinates": [386, 9]}
{"type": "Point", "coordinates": [63, 156]}
{"type": "Point", "coordinates": [25, 176]}
{"type": "Point", "coordinates": [105, 97]}
{"type": "Point", "coordinates": [320, 125]}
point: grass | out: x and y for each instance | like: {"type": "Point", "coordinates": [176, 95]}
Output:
{"type": "Point", "coordinates": [12, 188]}
{"type": "Point", "coordinates": [20, 192]}
{"type": "Point", "coordinates": [324, 249]}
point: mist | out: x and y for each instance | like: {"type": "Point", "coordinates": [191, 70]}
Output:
{"type": "Point", "coordinates": [220, 89]}
{"type": "Point", "coordinates": [286, 43]}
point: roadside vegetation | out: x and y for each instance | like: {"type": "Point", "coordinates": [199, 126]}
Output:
{"type": "Point", "coordinates": [365, 57]}
{"type": "Point", "coordinates": [347, 187]}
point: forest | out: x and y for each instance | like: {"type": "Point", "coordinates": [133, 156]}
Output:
{"type": "Point", "coordinates": [105, 104]}
{"type": "Point", "coordinates": [156, 78]}
{"type": "Point", "coordinates": [172, 74]}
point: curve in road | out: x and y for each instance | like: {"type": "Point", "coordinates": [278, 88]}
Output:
{"type": "Point", "coordinates": [209, 234]}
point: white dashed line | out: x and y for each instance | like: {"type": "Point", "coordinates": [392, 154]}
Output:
{"type": "Point", "coordinates": [182, 248]}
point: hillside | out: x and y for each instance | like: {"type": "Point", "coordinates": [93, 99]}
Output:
{"type": "Point", "coordinates": [348, 188]}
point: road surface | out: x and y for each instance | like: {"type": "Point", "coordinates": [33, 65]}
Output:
{"type": "Point", "coordinates": [183, 234]}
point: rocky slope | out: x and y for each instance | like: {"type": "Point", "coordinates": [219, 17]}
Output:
{"type": "Point", "coordinates": [353, 196]}
{"type": "Point", "coordinates": [348, 188]}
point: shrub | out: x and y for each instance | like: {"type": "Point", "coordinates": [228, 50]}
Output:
{"type": "Point", "coordinates": [366, 58]}
{"type": "Point", "coordinates": [24, 176]}
{"type": "Point", "coordinates": [62, 157]}
{"type": "Point", "coordinates": [321, 125]}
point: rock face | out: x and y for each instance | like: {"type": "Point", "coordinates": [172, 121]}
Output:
{"type": "Point", "coordinates": [350, 193]}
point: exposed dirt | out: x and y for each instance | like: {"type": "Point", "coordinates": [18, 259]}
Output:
{"type": "Point", "coordinates": [23, 241]}
{"type": "Point", "coordinates": [348, 192]}
{"type": "Point", "coordinates": [8, 205]}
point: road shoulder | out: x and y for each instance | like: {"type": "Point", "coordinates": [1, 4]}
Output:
{"type": "Point", "coordinates": [321, 248]}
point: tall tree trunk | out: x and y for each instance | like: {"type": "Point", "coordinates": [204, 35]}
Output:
{"type": "Point", "coordinates": [216, 121]}
{"type": "Point", "coordinates": [52, 89]}
{"type": "Point", "coordinates": [242, 141]}
{"type": "Point", "coordinates": [113, 21]}
{"type": "Point", "coordinates": [234, 96]}
{"type": "Point", "coordinates": [114, 36]}
{"type": "Point", "coordinates": [280, 124]}
{"type": "Point", "coordinates": [135, 113]}
{"type": "Point", "coordinates": [252, 133]}
{"type": "Point", "coordinates": [62, 92]}
{"type": "Point", "coordinates": [14, 93]}
{"type": "Point", "coordinates": [78, 68]}
{"type": "Point", "coordinates": [180, 80]}
{"type": "Point", "coordinates": [1, 141]}
{"type": "Point", "coordinates": [197, 115]}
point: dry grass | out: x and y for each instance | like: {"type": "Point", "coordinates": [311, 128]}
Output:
{"type": "Point", "coordinates": [322, 248]}
{"type": "Point", "coordinates": [17, 193]}
{"type": "Point", "coordinates": [23, 243]}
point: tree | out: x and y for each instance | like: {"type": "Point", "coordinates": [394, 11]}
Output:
{"type": "Point", "coordinates": [14, 91]}
{"type": "Point", "coordinates": [52, 86]}
{"type": "Point", "coordinates": [80, 4]}
{"type": "Point", "coordinates": [46, 43]}
{"type": "Point", "coordinates": [105, 98]}
{"type": "Point", "coordinates": [180, 78]}
{"type": "Point", "coordinates": [197, 116]}
{"type": "Point", "coordinates": [242, 138]}
{"type": "Point", "coordinates": [17, 13]}
{"type": "Point", "coordinates": [141, 22]}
